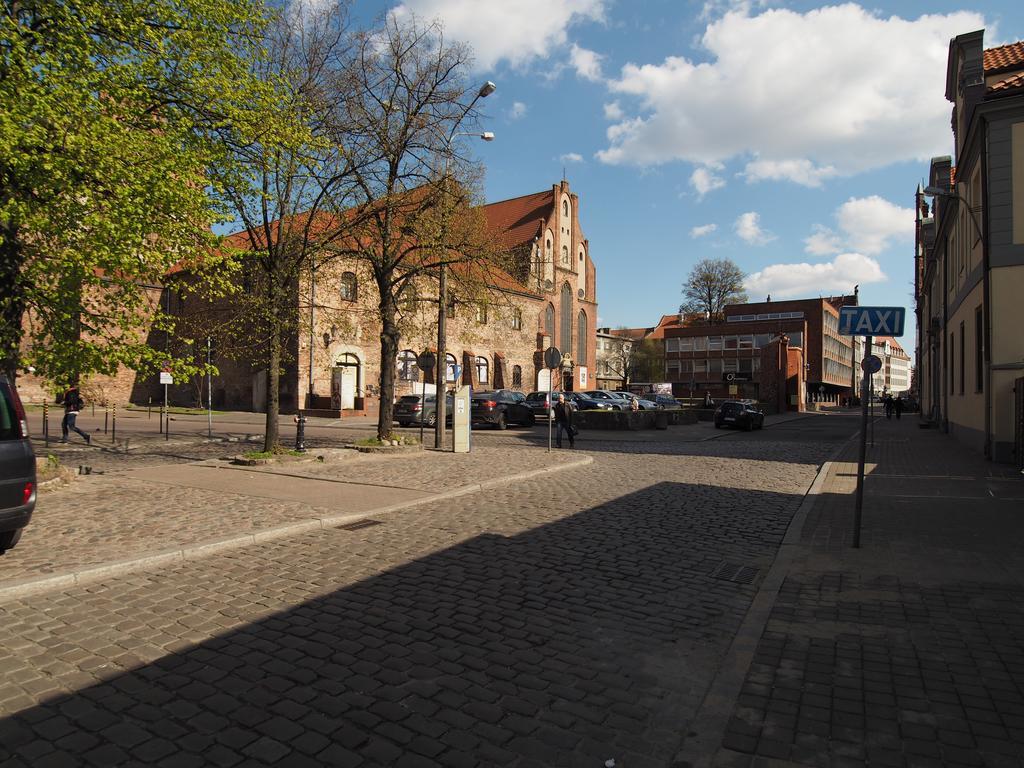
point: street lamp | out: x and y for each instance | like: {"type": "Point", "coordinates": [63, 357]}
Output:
{"type": "Point", "coordinates": [441, 369]}
{"type": "Point", "coordinates": [940, 192]}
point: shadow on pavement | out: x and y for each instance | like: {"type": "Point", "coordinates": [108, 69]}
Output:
{"type": "Point", "coordinates": [585, 639]}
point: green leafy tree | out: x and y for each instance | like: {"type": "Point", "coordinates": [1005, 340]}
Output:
{"type": "Point", "coordinates": [113, 114]}
{"type": "Point", "coordinates": [712, 285]}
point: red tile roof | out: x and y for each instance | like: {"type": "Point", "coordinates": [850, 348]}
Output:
{"type": "Point", "coordinates": [516, 222]}
{"type": "Point", "coordinates": [1009, 84]}
{"type": "Point", "coordinates": [1004, 57]}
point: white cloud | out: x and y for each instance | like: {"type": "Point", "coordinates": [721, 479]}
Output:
{"type": "Point", "coordinates": [571, 157]}
{"type": "Point", "coordinates": [586, 63]}
{"type": "Point", "coordinates": [833, 91]}
{"type": "Point", "coordinates": [517, 111]}
{"type": "Point", "coordinates": [704, 181]}
{"type": "Point", "coordinates": [704, 229]}
{"type": "Point", "coordinates": [800, 171]}
{"type": "Point", "coordinates": [613, 111]}
{"type": "Point", "coordinates": [808, 280]}
{"type": "Point", "coordinates": [867, 225]}
{"type": "Point", "coordinates": [506, 31]}
{"type": "Point", "coordinates": [748, 227]}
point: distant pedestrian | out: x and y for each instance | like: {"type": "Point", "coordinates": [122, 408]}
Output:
{"type": "Point", "coordinates": [73, 404]}
{"type": "Point", "coordinates": [887, 403]}
{"type": "Point", "coordinates": [634, 405]}
{"type": "Point", "coordinates": [708, 402]}
{"type": "Point", "coordinates": [563, 420]}
{"type": "Point", "coordinates": [898, 406]}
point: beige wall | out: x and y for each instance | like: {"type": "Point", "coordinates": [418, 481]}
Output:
{"type": "Point", "coordinates": [1017, 143]}
{"type": "Point", "coordinates": [966, 408]}
{"type": "Point", "coordinates": [1007, 347]}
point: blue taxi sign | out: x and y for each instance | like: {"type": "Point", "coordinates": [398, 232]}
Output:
{"type": "Point", "coordinates": [871, 321]}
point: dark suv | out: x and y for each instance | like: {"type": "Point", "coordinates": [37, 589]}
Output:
{"type": "Point", "coordinates": [742, 414]}
{"type": "Point", "coordinates": [17, 467]}
{"type": "Point", "coordinates": [501, 408]}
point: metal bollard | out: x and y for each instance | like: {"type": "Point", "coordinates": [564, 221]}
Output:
{"type": "Point", "coordinates": [106, 418]}
{"type": "Point", "coordinates": [46, 424]}
{"type": "Point", "coordinates": [149, 409]}
{"type": "Point", "coordinates": [113, 426]}
{"type": "Point", "coordinates": [300, 433]}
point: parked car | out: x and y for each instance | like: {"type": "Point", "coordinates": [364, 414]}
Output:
{"type": "Point", "coordinates": [643, 403]}
{"type": "Point", "coordinates": [538, 402]}
{"type": "Point", "coordinates": [17, 467]}
{"type": "Point", "coordinates": [611, 398]}
{"type": "Point", "coordinates": [500, 408]}
{"type": "Point", "coordinates": [740, 414]}
{"type": "Point", "coordinates": [413, 409]}
{"type": "Point", "coordinates": [663, 401]}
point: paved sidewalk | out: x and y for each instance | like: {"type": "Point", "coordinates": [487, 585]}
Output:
{"type": "Point", "coordinates": [153, 515]}
{"type": "Point", "coordinates": [906, 652]}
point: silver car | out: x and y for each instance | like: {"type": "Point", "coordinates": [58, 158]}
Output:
{"type": "Point", "coordinates": [17, 467]}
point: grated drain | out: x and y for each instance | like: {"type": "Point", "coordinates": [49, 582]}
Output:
{"type": "Point", "coordinates": [357, 525]}
{"type": "Point", "coordinates": [739, 574]}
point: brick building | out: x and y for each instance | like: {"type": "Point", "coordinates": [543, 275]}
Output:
{"type": "Point", "coordinates": [725, 358]}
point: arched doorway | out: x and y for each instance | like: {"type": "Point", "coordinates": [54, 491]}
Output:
{"type": "Point", "coordinates": [346, 381]}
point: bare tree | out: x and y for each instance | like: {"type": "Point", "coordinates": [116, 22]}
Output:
{"type": "Point", "coordinates": [712, 285]}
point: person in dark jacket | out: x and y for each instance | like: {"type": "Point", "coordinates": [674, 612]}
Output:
{"type": "Point", "coordinates": [72, 405]}
{"type": "Point", "coordinates": [897, 405]}
{"type": "Point", "coordinates": [563, 420]}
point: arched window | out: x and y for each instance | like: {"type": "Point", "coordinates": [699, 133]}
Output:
{"type": "Point", "coordinates": [549, 323]}
{"type": "Point", "coordinates": [349, 287]}
{"type": "Point", "coordinates": [517, 377]}
{"type": "Point", "coordinates": [565, 255]}
{"type": "Point", "coordinates": [450, 367]}
{"type": "Point", "coordinates": [565, 207]}
{"type": "Point", "coordinates": [581, 338]}
{"type": "Point", "coordinates": [482, 371]}
{"type": "Point", "coordinates": [517, 319]}
{"type": "Point", "coordinates": [407, 368]}
{"type": "Point", "coordinates": [565, 335]}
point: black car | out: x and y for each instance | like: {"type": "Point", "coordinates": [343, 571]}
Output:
{"type": "Point", "coordinates": [17, 467]}
{"type": "Point", "coordinates": [742, 414]}
{"type": "Point", "coordinates": [538, 402]}
{"type": "Point", "coordinates": [415, 409]}
{"type": "Point", "coordinates": [500, 408]}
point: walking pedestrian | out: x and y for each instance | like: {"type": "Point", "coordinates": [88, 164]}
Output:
{"type": "Point", "coordinates": [888, 404]}
{"type": "Point", "coordinates": [73, 403]}
{"type": "Point", "coordinates": [563, 420]}
{"type": "Point", "coordinates": [898, 406]}
{"type": "Point", "coordinates": [708, 402]}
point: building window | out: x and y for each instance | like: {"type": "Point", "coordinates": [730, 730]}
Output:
{"type": "Point", "coordinates": [450, 364]}
{"type": "Point", "coordinates": [565, 337]}
{"type": "Point", "coordinates": [962, 356]}
{"type": "Point", "coordinates": [700, 365]}
{"type": "Point", "coordinates": [549, 323]}
{"type": "Point", "coordinates": [979, 355]}
{"type": "Point", "coordinates": [517, 319]}
{"type": "Point", "coordinates": [565, 255]}
{"type": "Point", "coordinates": [517, 377]}
{"type": "Point", "coordinates": [565, 208]}
{"type": "Point", "coordinates": [715, 343]}
{"type": "Point", "coordinates": [685, 344]}
{"type": "Point", "coordinates": [481, 314]}
{"type": "Point", "coordinates": [671, 345]}
{"type": "Point", "coordinates": [746, 342]}
{"type": "Point", "coordinates": [482, 371]}
{"type": "Point", "coordinates": [349, 287]}
{"type": "Point", "coordinates": [407, 368]}
{"type": "Point", "coordinates": [410, 298]}
{"type": "Point", "coordinates": [731, 365]}
{"type": "Point", "coordinates": [581, 338]}
{"type": "Point", "coordinates": [731, 342]}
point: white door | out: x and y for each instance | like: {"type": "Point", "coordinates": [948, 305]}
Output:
{"type": "Point", "coordinates": [348, 387]}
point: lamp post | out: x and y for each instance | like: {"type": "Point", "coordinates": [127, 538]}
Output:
{"type": "Point", "coordinates": [939, 192]}
{"type": "Point", "coordinates": [441, 367]}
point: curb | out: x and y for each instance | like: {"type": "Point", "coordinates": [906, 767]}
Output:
{"type": "Point", "coordinates": [707, 729]}
{"type": "Point", "coordinates": [91, 574]}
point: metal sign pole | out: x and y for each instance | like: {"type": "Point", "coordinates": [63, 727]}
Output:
{"type": "Point", "coordinates": [551, 406]}
{"type": "Point", "coordinates": [209, 392]}
{"type": "Point", "coordinates": [423, 405]}
{"type": "Point", "coordinates": [864, 390]}
{"type": "Point", "coordinates": [167, 422]}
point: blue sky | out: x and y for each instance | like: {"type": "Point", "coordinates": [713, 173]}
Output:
{"type": "Point", "coordinates": [788, 137]}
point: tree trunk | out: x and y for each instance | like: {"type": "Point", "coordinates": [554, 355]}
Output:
{"type": "Point", "coordinates": [270, 440]}
{"type": "Point", "coordinates": [389, 338]}
{"type": "Point", "coordinates": [12, 300]}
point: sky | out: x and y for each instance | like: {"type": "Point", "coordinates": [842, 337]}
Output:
{"type": "Point", "coordinates": [789, 137]}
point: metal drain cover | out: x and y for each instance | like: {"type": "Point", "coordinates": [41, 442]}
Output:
{"type": "Point", "coordinates": [739, 574]}
{"type": "Point", "coordinates": [358, 524]}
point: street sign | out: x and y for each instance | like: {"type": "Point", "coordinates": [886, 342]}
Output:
{"type": "Point", "coordinates": [166, 378]}
{"type": "Point", "coordinates": [871, 364]}
{"type": "Point", "coordinates": [425, 360]}
{"type": "Point", "coordinates": [456, 372]}
{"type": "Point", "coordinates": [552, 357]}
{"type": "Point", "coordinates": [871, 321]}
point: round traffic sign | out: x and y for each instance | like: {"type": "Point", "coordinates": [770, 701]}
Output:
{"type": "Point", "coordinates": [871, 364]}
{"type": "Point", "coordinates": [552, 357]}
{"type": "Point", "coordinates": [425, 359]}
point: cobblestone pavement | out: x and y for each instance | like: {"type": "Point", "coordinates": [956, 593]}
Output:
{"type": "Point", "coordinates": [130, 512]}
{"type": "Point", "coordinates": [565, 620]}
{"type": "Point", "coordinates": [910, 650]}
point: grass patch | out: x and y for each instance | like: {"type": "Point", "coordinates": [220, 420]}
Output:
{"type": "Point", "coordinates": [271, 454]}
{"type": "Point", "coordinates": [376, 443]}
